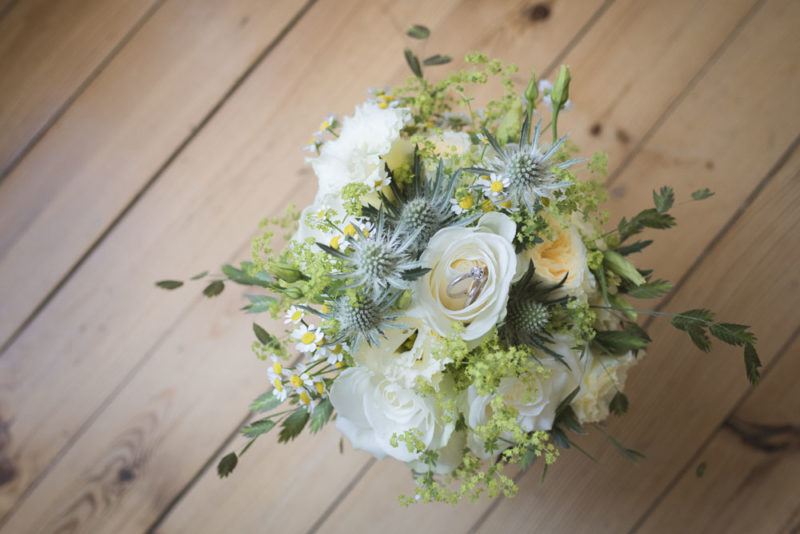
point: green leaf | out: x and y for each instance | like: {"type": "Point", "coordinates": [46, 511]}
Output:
{"type": "Point", "coordinates": [259, 427]}
{"type": "Point", "coordinates": [214, 288]}
{"type": "Point", "coordinates": [437, 59]}
{"type": "Point", "coordinates": [702, 194]}
{"type": "Point", "coordinates": [169, 284]}
{"type": "Point", "coordinates": [701, 469]}
{"type": "Point", "coordinates": [418, 31]}
{"type": "Point", "coordinates": [629, 454]}
{"type": "Point", "coordinates": [265, 402]}
{"type": "Point", "coordinates": [664, 199]}
{"type": "Point", "coordinates": [732, 334]}
{"type": "Point", "coordinates": [650, 290]}
{"type": "Point", "coordinates": [322, 413]}
{"type": "Point", "coordinates": [258, 303]}
{"type": "Point", "coordinates": [698, 316]}
{"type": "Point", "coordinates": [262, 335]}
{"type": "Point", "coordinates": [564, 404]}
{"type": "Point", "coordinates": [242, 276]}
{"type": "Point", "coordinates": [413, 63]}
{"type": "Point", "coordinates": [620, 265]}
{"type": "Point", "coordinates": [527, 458]}
{"type": "Point", "coordinates": [570, 421]}
{"type": "Point", "coordinates": [226, 466]}
{"type": "Point", "coordinates": [619, 404]}
{"type": "Point", "coordinates": [198, 276]}
{"type": "Point", "coordinates": [624, 307]}
{"type": "Point", "coordinates": [699, 337]}
{"type": "Point", "coordinates": [618, 342]}
{"type": "Point", "coordinates": [293, 425]}
{"type": "Point", "coordinates": [752, 363]}
{"type": "Point", "coordinates": [654, 219]}
{"type": "Point", "coordinates": [634, 247]}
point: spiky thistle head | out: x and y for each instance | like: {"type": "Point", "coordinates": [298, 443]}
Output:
{"type": "Point", "coordinates": [378, 261]}
{"type": "Point", "coordinates": [525, 168]}
{"type": "Point", "coordinates": [528, 312]}
{"type": "Point", "coordinates": [422, 206]}
{"type": "Point", "coordinates": [364, 317]}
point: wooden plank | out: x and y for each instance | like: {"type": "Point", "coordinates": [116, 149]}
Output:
{"type": "Point", "coordinates": [651, 32]}
{"type": "Point", "coordinates": [126, 124]}
{"type": "Point", "coordinates": [47, 50]}
{"type": "Point", "coordinates": [111, 302]}
{"type": "Point", "coordinates": [750, 483]}
{"type": "Point", "coordinates": [666, 392]}
{"type": "Point", "coordinates": [118, 134]}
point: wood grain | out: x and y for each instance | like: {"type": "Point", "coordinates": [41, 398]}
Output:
{"type": "Point", "coordinates": [48, 49]}
{"type": "Point", "coordinates": [114, 138]}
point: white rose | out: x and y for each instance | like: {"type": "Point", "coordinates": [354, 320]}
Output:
{"type": "Point", "coordinates": [535, 399]}
{"type": "Point", "coordinates": [372, 409]}
{"type": "Point", "coordinates": [450, 456]}
{"type": "Point", "coordinates": [359, 153]}
{"type": "Point", "coordinates": [454, 251]}
{"type": "Point", "coordinates": [405, 365]}
{"type": "Point", "coordinates": [603, 377]}
{"type": "Point", "coordinates": [553, 259]}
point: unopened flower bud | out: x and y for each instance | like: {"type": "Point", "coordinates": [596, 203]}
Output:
{"type": "Point", "coordinates": [293, 292]}
{"type": "Point", "coordinates": [283, 271]}
{"type": "Point", "coordinates": [560, 93]}
{"type": "Point", "coordinates": [531, 92]}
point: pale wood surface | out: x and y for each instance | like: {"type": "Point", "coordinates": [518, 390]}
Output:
{"type": "Point", "coordinates": [116, 399]}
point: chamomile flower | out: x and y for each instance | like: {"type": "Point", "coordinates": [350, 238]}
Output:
{"type": "Point", "coordinates": [312, 146]}
{"type": "Point", "coordinates": [306, 401]}
{"type": "Point", "coordinates": [328, 124]}
{"type": "Point", "coordinates": [308, 337]}
{"type": "Point", "coordinates": [294, 315]}
{"type": "Point", "coordinates": [333, 353]}
{"type": "Point", "coordinates": [463, 205]}
{"type": "Point", "coordinates": [275, 374]}
{"type": "Point", "coordinates": [299, 379]}
{"type": "Point", "coordinates": [378, 181]}
{"type": "Point", "coordinates": [494, 186]}
{"type": "Point", "coordinates": [319, 386]}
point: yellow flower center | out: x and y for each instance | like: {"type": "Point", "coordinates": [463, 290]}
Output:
{"type": "Point", "coordinates": [320, 387]}
{"type": "Point", "coordinates": [487, 206]}
{"type": "Point", "coordinates": [383, 105]}
{"type": "Point", "coordinates": [297, 315]}
{"type": "Point", "coordinates": [335, 242]}
{"type": "Point", "coordinates": [324, 126]}
{"type": "Point", "coordinates": [277, 367]}
{"type": "Point", "coordinates": [466, 203]}
{"type": "Point", "coordinates": [506, 204]}
{"type": "Point", "coordinates": [350, 230]}
{"type": "Point", "coordinates": [496, 186]}
{"type": "Point", "coordinates": [278, 384]}
{"type": "Point", "coordinates": [308, 338]}
{"type": "Point", "coordinates": [337, 349]}
{"type": "Point", "coordinates": [296, 381]}
{"type": "Point", "coordinates": [304, 398]}
{"type": "Point", "coordinates": [339, 365]}
{"type": "Point", "coordinates": [326, 308]}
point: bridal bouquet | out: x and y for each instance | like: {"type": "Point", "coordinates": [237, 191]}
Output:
{"type": "Point", "coordinates": [454, 298]}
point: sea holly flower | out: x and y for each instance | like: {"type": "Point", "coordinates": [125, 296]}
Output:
{"type": "Point", "coordinates": [308, 337]}
{"type": "Point", "coordinates": [294, 315]}
{"type": "Point", "coordinates": [527, 167]}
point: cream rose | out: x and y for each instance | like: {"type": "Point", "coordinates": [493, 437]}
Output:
{"type": "Point", "coordinates": [455, 251]}
{"type": "Point", "coordinates": [553, 259]}
{"type": "Point", "coordinates": [602, 378]}
{"type": "Point", "coordinates": [372, 409]}
{"type": "Point", "coordinates": [405, 356]}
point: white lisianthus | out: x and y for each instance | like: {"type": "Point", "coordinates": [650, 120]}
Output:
{"type": "Point", "coordinates": [535, 398]}
{"type": "Point", "coordinates": [358, 154]}
{"type": "Point", "coordinates": [453, 252]}
{"type": "Point", "coordinates": [553, 259]}
{"type": "Point", "coordinates": [603, 377]}
{"type": "Point", "coordinates": [406, 356]}
{"type": "Point", "coordinates": [371, 410]}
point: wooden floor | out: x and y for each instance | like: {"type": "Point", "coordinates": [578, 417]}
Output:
{"type": "Point", "coordinates": [144, 139]}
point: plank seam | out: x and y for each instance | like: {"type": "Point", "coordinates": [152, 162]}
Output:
{"type": "Point", "coordinates": [159, 172]}
{"type": "Point", "coordinates": [343, 494]}
{"type": "Point", "coordinates": [62, 109]}
{"type": "Point", "coordinates": [696, 456]}
{"type": "Point", "coordinates": [673, 105]}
